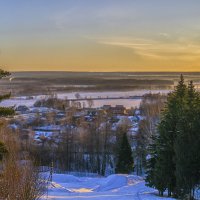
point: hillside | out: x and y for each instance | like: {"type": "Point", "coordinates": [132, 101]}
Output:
{"type": "Point", "coordinates": [114, 187]}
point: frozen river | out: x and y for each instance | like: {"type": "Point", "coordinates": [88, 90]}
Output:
{"type": "Point", "coordinates": [16, 101]}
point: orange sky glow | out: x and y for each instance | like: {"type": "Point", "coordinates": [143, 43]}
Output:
{"type": "Point", "coordinates": [94, 35]}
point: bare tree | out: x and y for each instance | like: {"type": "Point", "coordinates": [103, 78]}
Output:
{"type": "Point", "coordinates": [19, 179]}
{"type": "Point", "coordinates": [151, 108]}
{"type": "Point", "coordinates": [90, 103]}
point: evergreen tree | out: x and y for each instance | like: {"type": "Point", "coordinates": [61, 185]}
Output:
{"type": "Point", "coordinates": [152, 180]}
{"type": "Point", "coordinates": [181, 88]}
{"type": "Point", "coordinates": [175, 160]}
{"type": "Point", "coordinates": [125, 158]}
{"type": "Point", "coordinates": [163, 171]}
{"type": "Point", "coordinates": [187, 146]}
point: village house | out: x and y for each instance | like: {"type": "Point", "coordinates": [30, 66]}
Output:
{"type": "Point", "coordinates": [117, 110]}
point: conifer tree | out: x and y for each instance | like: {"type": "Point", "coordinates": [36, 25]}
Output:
{"type": "Point", "coordinates": [187, 146]}
{"type": "Point", "coordinates": [175, 161]}
{"type": "Point", "coordinates": [125, 159]}
{"type": "Point", "coordinates": [163, 171]}
{"type": "Point", "coordinates": [152, 180]}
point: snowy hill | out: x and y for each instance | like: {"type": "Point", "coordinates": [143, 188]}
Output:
{"type": "Point", "coordinates": [114, 187]}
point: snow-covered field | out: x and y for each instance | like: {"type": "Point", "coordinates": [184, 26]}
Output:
{"type": "Point", "coordinates": [114, 187]}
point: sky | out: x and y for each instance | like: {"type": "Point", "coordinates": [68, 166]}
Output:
{"type": "Point", "coordinates": [100, 35]}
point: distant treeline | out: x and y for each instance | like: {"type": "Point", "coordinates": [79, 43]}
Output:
{"type": "Point", "coordinates": [34, 86]}
{"type": "Point", "coordinates": [36, 83]}
{"type": "Point", "coordinates": [62, 74]}
{"type": "Point", "coordinates": [94, 81]}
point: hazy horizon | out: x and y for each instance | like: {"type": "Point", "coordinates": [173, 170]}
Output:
{"type": "Point", "coordinates": [105, 71]}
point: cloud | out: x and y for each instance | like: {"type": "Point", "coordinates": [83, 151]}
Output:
{"type": "Point", "coordinates": [127, 45]}
{"type": "Point", "coordinates": [180, 49]}
{"type": "Point", "coordinates": [165, 35]}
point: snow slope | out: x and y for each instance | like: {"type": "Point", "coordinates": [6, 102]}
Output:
{"type": "Point", "coordinates": [114, 187]}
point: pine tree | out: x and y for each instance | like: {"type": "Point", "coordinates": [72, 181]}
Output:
{"type": "Point", "coordinates": [175, 161]}
{"type": "Point", "coordinates": [187, 146]}
{"type": "Point", "coordinates": [162, 175]}
{"type": "Point", "coordinates": [181, 88]}
{"type": "Point", "coordinates": [125, 159]}
{"type": "Point", "coordinates": [152, 178]}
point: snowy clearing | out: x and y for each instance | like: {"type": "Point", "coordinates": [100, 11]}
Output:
{"type": "Point", "coordinates": [114, 187]}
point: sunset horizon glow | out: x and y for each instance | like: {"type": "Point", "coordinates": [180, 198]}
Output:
{"type": "Point", "coordinates": [100, 36]}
